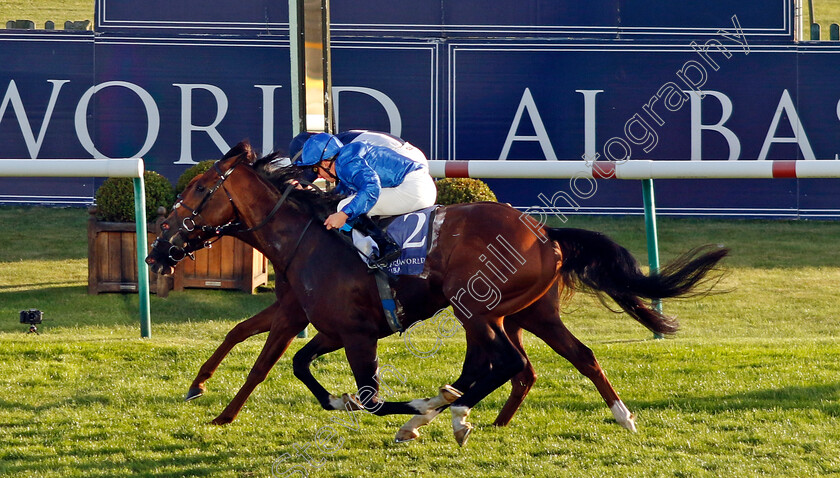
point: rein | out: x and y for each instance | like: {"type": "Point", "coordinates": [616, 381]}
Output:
{"type": "Point", "coordinates": [270, 214]}
{"type": "Point", "coordinates": [294, 249]}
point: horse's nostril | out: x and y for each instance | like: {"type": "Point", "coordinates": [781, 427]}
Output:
{"type": "Point", "coordinates": [150, 260]}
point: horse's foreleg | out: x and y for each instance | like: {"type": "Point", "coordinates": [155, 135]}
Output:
{"type": "Point", "coordinates": [319, 345]}
{"type": "Point", "coordinates": [476, 364]}
{"type": "Point", "coordinates": [283, 331]}
{"type": "Point", "coordinates": [255, 325]}
{"type": "Point", "coordinates": [360, 346]}
{"type": "Point", "coordinates": [521, 383]}
{"type": "Point", "coordinates": [411, 430]}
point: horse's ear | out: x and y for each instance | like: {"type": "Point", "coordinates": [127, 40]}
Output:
{"type": "Point", "coordinates": [251, 155]}
{"type": "Point", "coordinates": [241, 149]}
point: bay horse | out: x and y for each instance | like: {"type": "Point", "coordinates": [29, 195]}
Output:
{"type": "Point", "coordinates": [499, 269]}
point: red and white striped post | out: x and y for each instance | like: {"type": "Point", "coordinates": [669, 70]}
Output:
{"type": "Point", "coordinates": [639, 169]}
{"type": "Point", "coordinates": [636, 169]}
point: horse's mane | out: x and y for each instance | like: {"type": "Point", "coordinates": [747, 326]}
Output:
{"type": "Point", "coordinates": [313, 201]}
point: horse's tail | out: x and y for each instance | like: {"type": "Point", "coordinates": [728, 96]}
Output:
{"type": "Point", "coordinates": [595, 261]}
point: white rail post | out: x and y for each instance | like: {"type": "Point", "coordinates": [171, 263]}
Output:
{"type": "Point", "coordinates": [100, 168]}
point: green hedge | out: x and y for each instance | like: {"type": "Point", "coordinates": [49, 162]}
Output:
{"type": "Point", "coordinates": [192, 172]}
{"type": "Point", "coordinates": [115, 197]}
{"type": "Point", "coordinates": [462, 190]}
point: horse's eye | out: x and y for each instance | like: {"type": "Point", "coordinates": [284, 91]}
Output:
{"type": "Point", "coordinates": [199, 188]}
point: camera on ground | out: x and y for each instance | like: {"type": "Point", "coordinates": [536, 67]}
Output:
{"type": "Point", "coordinates": [31, 316]}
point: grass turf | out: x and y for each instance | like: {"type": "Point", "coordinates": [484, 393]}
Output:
{"type": "Point", "coordinates": [39, 11]}
{"type": "Point", "coordinates": [826, 12]}
{"type": "Point", "coordinates": [747, 388]}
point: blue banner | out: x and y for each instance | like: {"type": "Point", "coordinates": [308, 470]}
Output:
{"type": "Point", "coordinates": [723, 94]}
{"type": "Point", "coordinates": [40, 84]}
{"type": "Point", "coordinates": [388, 87]}
{"type": "Point", "coordinates": [580, 101]}
{"type": "Point", "coordinates": [251, 18]}
{"type": "Point", "coordinates": [176, 103]}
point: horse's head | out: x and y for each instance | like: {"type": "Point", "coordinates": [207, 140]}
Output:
{"type": "Point", "coordinates": [201, 213]}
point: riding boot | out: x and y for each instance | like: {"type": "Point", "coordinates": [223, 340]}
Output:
{"type": "Point", "coordinates": [388, 248]}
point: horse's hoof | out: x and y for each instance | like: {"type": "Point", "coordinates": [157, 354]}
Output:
{"type": "Point", "coordinates": [630, 423]}
{"type": "Point", "coordinates": [221, 421]}
{"type": "Point", "coordinates": [351, 402]}
{"type": "Point", "coordinates": [623, 416]}
{"type": "Point", "coordinates": [193, 393]}
{"type": "Point", "coordinates": [450, 393]}
{"type": "Point", "coordinates": [404, 435]}
{"type": "Point", "coordinates": [462, 434]}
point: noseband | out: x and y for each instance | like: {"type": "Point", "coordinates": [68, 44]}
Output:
{"type": "Point", "coordinates": [189, 224]}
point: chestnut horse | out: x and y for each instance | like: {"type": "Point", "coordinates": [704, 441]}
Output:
{"type": "Point", "coordinates": [500, 270]}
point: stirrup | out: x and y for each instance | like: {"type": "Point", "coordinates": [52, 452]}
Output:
{"type": "Point", "coordinates": [382, 262]}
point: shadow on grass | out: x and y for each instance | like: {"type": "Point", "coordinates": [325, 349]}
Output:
{"type": "Point", "coordinates": [25, 287]}
{"type": "Point", "coordinates": [75, 401]}
{"type": "Point", "coordinates": [821, 397]}
{"type": "Point", "coordinates": [71, 306]}
{"type": "Point", "coordinates": [624, 341]}
{"type": "Point", "coordinates": [206, 463]}
{"type": "Point", "coordinates": [84, 399]}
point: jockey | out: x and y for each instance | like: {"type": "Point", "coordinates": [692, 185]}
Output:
{"type": "Point", "coordinates": [376, 138]}
{"type": "Point", "coordinates": [379, 181]}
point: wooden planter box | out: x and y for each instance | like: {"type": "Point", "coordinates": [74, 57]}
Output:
{"type": "Point", "coordinates": [112, 262]}
{"type": "Point", "coordinates": [112, 258]}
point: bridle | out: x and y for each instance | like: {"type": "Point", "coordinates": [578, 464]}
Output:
{"type": "Point", "coordinates": [189, 224]}
{"type": "Point", "coordinates": [326, 170]}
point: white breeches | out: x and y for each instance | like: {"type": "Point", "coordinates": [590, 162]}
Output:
{"type": "Point", "coordinates": [417, 191]}
{"type": "Point", "coordinates": [413, 153]}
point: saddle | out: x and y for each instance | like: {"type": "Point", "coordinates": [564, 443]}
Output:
{"type": "Point", "coordinates": [411, 231]}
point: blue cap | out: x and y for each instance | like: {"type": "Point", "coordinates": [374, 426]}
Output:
{"type": "Point", "coordinates": [318, 148]}
{"type": "Point", "coordinates": [296, 145]}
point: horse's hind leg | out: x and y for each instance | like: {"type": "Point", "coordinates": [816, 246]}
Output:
{"type": "Point", "coordinates": [283, 331]}
{"type": "Point", "coordinates": [506, 361]}
{"type": "Point", "coordinates": [544, 322]}
{"type": "Point", "coordinates": [255, 325]}
{"type": "Point", "coordinates": [522, 382]}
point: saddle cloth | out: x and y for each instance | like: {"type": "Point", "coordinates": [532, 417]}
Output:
{"type": "Point", "coordinates": [411, 232]}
